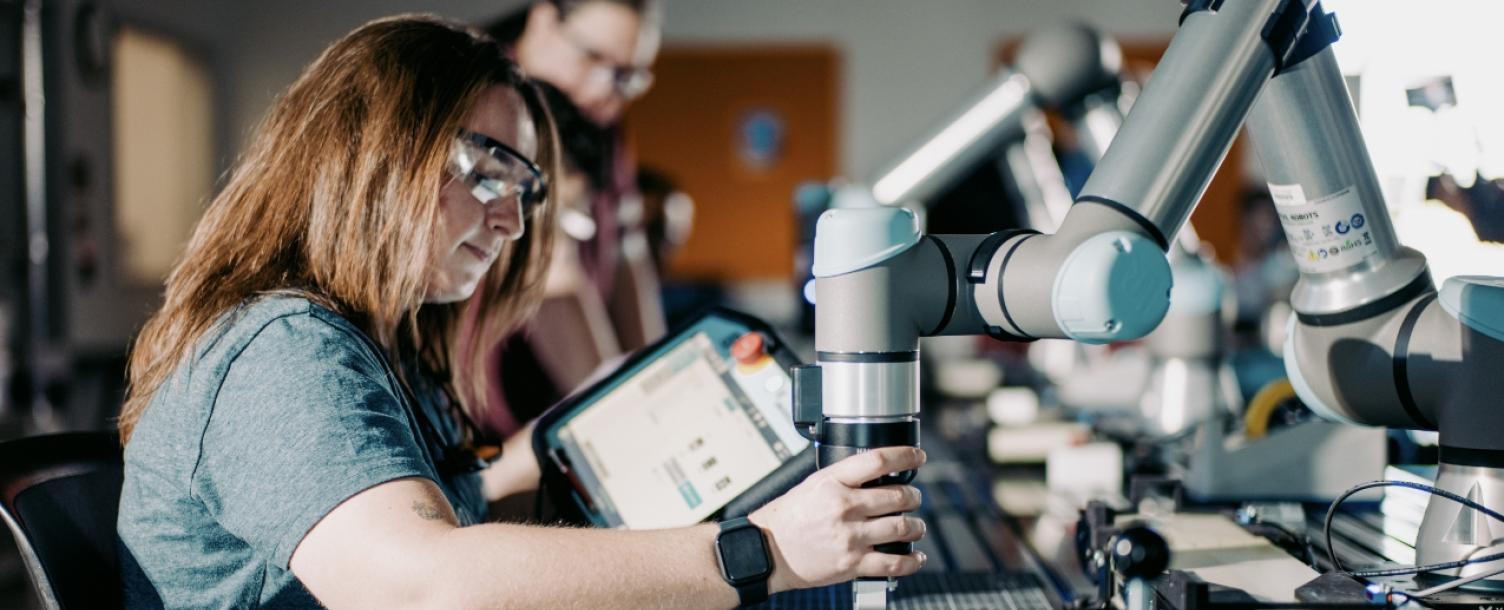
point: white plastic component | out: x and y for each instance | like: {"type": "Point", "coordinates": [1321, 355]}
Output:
{"type": "Point", "coordinates": [1114, 286]}
{"type": "Point", "coordinates": [1136, 595]}
{"type": "Point", "coordinates": [1093, 470]}
{"type": "Point", "coordinates": [1182, 393]}
{"type": "Point", "coordinates": [1198, 287]}
{"type": "Point", "coordinates": [1013, 406]}
{"type": "Point", "coordinates": [869, 594]}
{"type": "Point", "coordinates": [1477, 302]}
{"type": "Point", "coordinates": [1302, 387]}
{"type": "Point", "coordinates": [967, 377]}
{"type": "Point", "coordinates": [1108, 383]}
{"type": "Point", "coordinates": [853, 196]}
{"type": "Point", "coordinates": [1034, 444]}
{"type": "Point", "coordinates": [851, 239]}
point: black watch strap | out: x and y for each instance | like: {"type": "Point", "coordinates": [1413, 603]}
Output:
{"type": "Point", "coordinates": [750, 589]}
{"type": "Point", "coordinates": [752, 593]}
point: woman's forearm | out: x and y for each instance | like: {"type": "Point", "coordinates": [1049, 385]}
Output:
{"type": "Point", "coordinates": [519, 566]}
{"type": "Point", "coordinates": [517, 470]}
{"type": "Point", "coordinates": [397, 544]}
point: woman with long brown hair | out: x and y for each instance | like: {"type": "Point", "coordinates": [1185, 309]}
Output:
{"type": "Point", "coordinates": [295, 425]}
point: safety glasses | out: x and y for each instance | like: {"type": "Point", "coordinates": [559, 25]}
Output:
{"type": "Point", "coordinates": [628, 81]}
{"type": "Point", "coordinates": [495, 172]}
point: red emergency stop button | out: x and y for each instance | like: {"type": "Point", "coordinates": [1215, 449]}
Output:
{"type": "Point", "coordinates": [748, 349]}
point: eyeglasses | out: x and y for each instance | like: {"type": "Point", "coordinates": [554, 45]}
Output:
{"type": "Point", "coordinates": [629, 81]}
{"type": "Point", "coordinates": [494, 171]}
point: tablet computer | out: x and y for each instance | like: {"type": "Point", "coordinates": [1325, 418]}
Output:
{"type": "Point", "coordinates": [687, 428]}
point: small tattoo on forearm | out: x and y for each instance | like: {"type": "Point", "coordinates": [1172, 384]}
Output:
{"type": "Point", "coordinates": [427, 511]}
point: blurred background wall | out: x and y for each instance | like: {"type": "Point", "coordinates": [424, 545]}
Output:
{"type": "Point", "coordinates": [904, 62]}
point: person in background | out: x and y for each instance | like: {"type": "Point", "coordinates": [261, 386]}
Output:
{"type": "Point", "coordinates": [1482, 203]}
{"type": "Point", "coordinates": [602, 298]}
{"type": "Point", "coordinates": [667, 219]}
{"type": "Point", "coordinates": [296, 424]}
{"type": "Point", "coordinates": [668, 215]}
{"type": "Point", "coordinates": [598, 52]}
{"type": "Point", "coordinates": [1264, 271]}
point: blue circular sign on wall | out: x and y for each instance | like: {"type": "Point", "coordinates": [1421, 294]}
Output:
{"type": "Point", "coordinates": [760, 135]}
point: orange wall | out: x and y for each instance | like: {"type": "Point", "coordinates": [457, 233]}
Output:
{"type": "Point", "coordinates": [689, 126]}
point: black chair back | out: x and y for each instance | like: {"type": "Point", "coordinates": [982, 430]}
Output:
{"type": "Point", "coordinates": [59, 495]}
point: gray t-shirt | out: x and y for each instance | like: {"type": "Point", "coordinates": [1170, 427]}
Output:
{"type": "Point", "coordinates": [284, 411]}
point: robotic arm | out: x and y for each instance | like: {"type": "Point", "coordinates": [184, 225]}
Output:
{"type": "Point", "coordinates": [877, 370]}
{"type": "Point", "coordinates": [891, 284]}
{"type": "Point", "coordinates": [881, 284]}
{"type": "Point", "coordinates": [1069, 67]}
{"type": "Point", "coordinates": [1372, 343]}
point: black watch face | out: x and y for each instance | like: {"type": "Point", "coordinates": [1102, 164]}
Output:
{"type": "Point", "coordinates": [744, 558]}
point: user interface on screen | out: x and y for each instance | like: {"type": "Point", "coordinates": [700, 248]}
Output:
{"type": "Point", "coordinates": [682, 437]}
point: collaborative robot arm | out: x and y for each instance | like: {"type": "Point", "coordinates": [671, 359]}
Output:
{"type": "Point", "coordinates": [868, 384]}
{"type": "Point", "coordinates": [1371, 343]}
{"type": "Point", "coordinates": [891, 284]}
{"type": "Point", "coordinates": [881, 284]}
{"type": "Point", "coordinates": [1071, 68]}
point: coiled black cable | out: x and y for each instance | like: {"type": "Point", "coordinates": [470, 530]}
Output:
{"type": "Point", "coordinates": [1332, 511]}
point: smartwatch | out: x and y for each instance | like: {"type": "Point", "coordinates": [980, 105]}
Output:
{"type": "Point", "coordinates": [745, 562]}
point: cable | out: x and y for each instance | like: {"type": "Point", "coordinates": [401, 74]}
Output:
{"type": "Point", "coordinates": [1456, 583]}
{"type": "Point", "coordinates": [1262, 406]}
{"type": "Point", "coordinates": [1303, 542]}
{"type": "Point", "coordinates": [1431, 567]}
{"type": "Point", "coordinates": [1332, 511]}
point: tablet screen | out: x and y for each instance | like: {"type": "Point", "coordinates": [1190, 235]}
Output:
{"type": "Point", "coordinates": [681, 437]}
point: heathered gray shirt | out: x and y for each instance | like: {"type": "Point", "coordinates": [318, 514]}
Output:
{"type": "Point", "coordinates": [285, 410]}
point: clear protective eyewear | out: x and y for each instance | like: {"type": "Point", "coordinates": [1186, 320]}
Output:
{"type": "Point", "coordinates": [493, 171]}
{"type": "Point", "coordinates": [629, 81]}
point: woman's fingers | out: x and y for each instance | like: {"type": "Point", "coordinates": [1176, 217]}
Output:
{"type": "Point", "coordinates": [862, 467]}
{"type": "Point", "coordinates": [880, 565]}
{"type": "Point", "coordinates": [896, 528]}
{"type": "Point", "coordinates": [885, 500]}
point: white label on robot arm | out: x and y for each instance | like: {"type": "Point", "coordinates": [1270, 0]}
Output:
{"type": "Point", "coordinates": [1287, 194]}
{"type": "Point", "coordinates": [1325, 234]}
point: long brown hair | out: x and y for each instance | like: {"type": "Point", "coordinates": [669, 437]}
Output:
{"type": "Point", "coordinates": [336, 200]}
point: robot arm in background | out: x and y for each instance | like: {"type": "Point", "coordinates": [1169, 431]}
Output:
{"type": "Point", "coordinates": [1069, 67]}
{"type": "Point", "coordinates": [1372, 342]}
